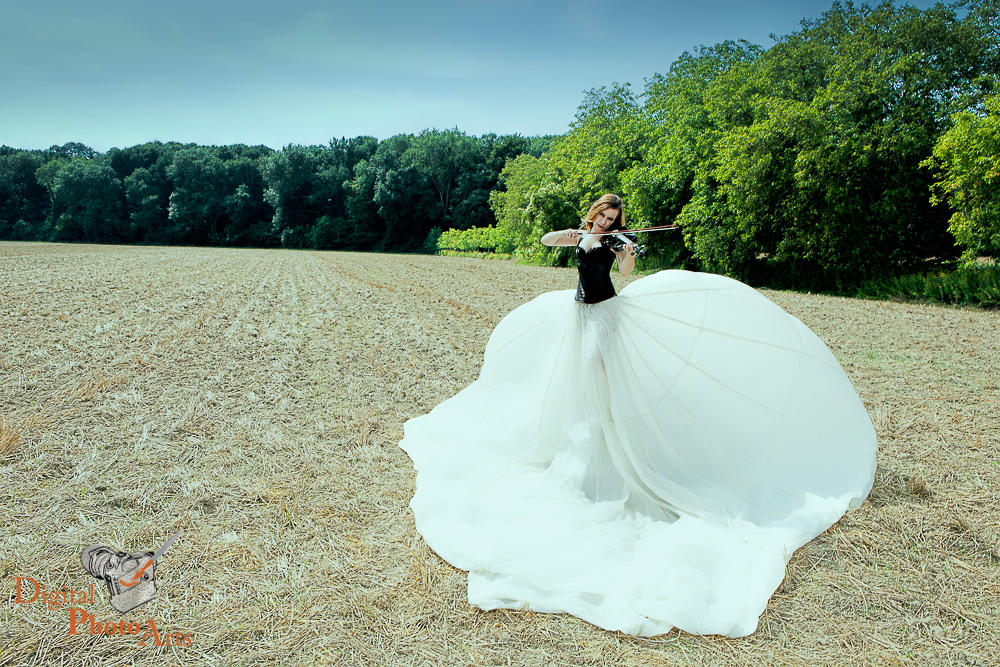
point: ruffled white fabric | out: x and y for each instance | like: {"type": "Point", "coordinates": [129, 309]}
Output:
{"type": "Point", "coordinates": [646, 462]}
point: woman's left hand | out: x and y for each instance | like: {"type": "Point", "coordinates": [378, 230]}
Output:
{"type": "Point", "coordinates": [626, 257]}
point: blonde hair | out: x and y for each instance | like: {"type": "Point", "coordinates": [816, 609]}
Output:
{"type": "Point", "coordinates": [601, 205]}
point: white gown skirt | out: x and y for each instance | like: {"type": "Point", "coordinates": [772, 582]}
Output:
{"type": "Point", "coordinates": [646, 462]}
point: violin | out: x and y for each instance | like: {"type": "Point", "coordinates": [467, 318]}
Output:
{"type": "Point", "coordinates": [617, 243]}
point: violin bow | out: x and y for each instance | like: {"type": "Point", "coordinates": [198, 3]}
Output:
{"type": "Point", "coordinates": [639, 251]}
{"type": "Point", "coordinates": [660, 228]}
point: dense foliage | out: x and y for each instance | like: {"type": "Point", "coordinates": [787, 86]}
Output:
{"type": "Point", "coordinates": [477, 239]}
{"type": "Point", "coordinates": [803, 164]}
{"type": "Point", "coordinates": [968, 156]}
{"type": "Point", "coordinates": [354, 194]}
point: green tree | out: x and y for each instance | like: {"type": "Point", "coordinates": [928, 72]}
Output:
{"type": "Point", "coordinates": [967, 158]}
{"type": "Point", "coordinates": [440, 156]}
{"type": "Point", "coordinates": [87, 202]}
{"type": "Point", "coordinates": [198, 203]}
{"type": "Point", "coordinates": [535, 202]}
{"type": "Point", "coordinates": [809, 173]}
{"type": "Point", "coordinates": [147, 195]}
{"type": "Point", "coordinates": [74, 150]}
{"type": "Point", "coordinates": [408, 209]}
{"type": "Point", "coordinates": [364, 227]}
{"type": "Point", "coordinates": [24, 202]}
{"type": "Point", "coordinates": [306, 183]}
{"type": "Point", "coordinates": [678, 109]}
{"type": "Point", "coordinates": [143, 171]}
{"type": "Point", "coordinates": [217, 198]}
{"type": "Point", "coordinates": [608, 136]}
{"type": "Point", "coordinates": [290, 174]}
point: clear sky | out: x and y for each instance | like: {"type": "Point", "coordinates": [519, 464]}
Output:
{"type": "Point", "coordinates": [121, 72]}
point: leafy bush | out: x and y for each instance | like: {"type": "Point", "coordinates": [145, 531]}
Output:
{"type": "Point", "coordinates": [477, 239]}
{"type": "Point", "coordinates": [431, 242]}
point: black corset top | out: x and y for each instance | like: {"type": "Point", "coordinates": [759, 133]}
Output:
{"type": "Point", "coordinates": [595, 272]}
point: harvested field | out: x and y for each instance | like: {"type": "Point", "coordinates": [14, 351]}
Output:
{"type": "Point", "coordinates": [253, 399]}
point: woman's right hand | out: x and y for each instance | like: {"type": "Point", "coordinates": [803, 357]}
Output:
{"type": "Point", "coordinates": [564, 237]}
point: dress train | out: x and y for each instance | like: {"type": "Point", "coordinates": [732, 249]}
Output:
{"type": "Point", "coordinates": [645, 462]}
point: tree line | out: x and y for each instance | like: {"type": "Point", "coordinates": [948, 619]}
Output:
{"type": "Point", "coordinates": [353, 194]}
{"type": "Point", "coordinates": [864, 145]}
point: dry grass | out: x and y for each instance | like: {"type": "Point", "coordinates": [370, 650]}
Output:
{"type": "Point", "coordinates": [254, 401]}
{"type": "Point", "coordinates": [13, 436]}
{"type": "Point", "coordinates": [10, 440]}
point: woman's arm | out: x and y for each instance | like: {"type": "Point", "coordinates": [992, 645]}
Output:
{"type": "Point", "coordinates": [564, 237]}
{"type": "Point", "coordinates": [626, 260]}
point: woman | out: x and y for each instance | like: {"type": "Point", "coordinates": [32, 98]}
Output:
{"type": "Point", "coordinates": [598, 250]}
{"type": "Point", "coordinates": [643, 461]}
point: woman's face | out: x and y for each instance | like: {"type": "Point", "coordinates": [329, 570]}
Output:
{"type": "Point", "coordinates": [605, 219]}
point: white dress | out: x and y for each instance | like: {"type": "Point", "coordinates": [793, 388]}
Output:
{"type": "Point", "coordinates": [649, 461]}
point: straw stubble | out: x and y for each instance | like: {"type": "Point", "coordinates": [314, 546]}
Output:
{"type": "Point", "coordinates": [254, 399]}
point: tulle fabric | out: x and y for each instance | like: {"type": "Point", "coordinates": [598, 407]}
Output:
{"type": "Point", "coordinates": [646, 462]}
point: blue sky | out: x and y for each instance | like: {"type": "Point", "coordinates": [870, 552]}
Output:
{"type": "Point", "coordinates": [120, 72]}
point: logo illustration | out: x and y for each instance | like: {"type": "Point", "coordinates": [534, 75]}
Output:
{"type": "Point", "coordinates": [131, 578]}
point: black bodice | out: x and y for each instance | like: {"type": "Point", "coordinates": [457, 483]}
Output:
{"type": "Point", "coordinates": [595, 272]}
